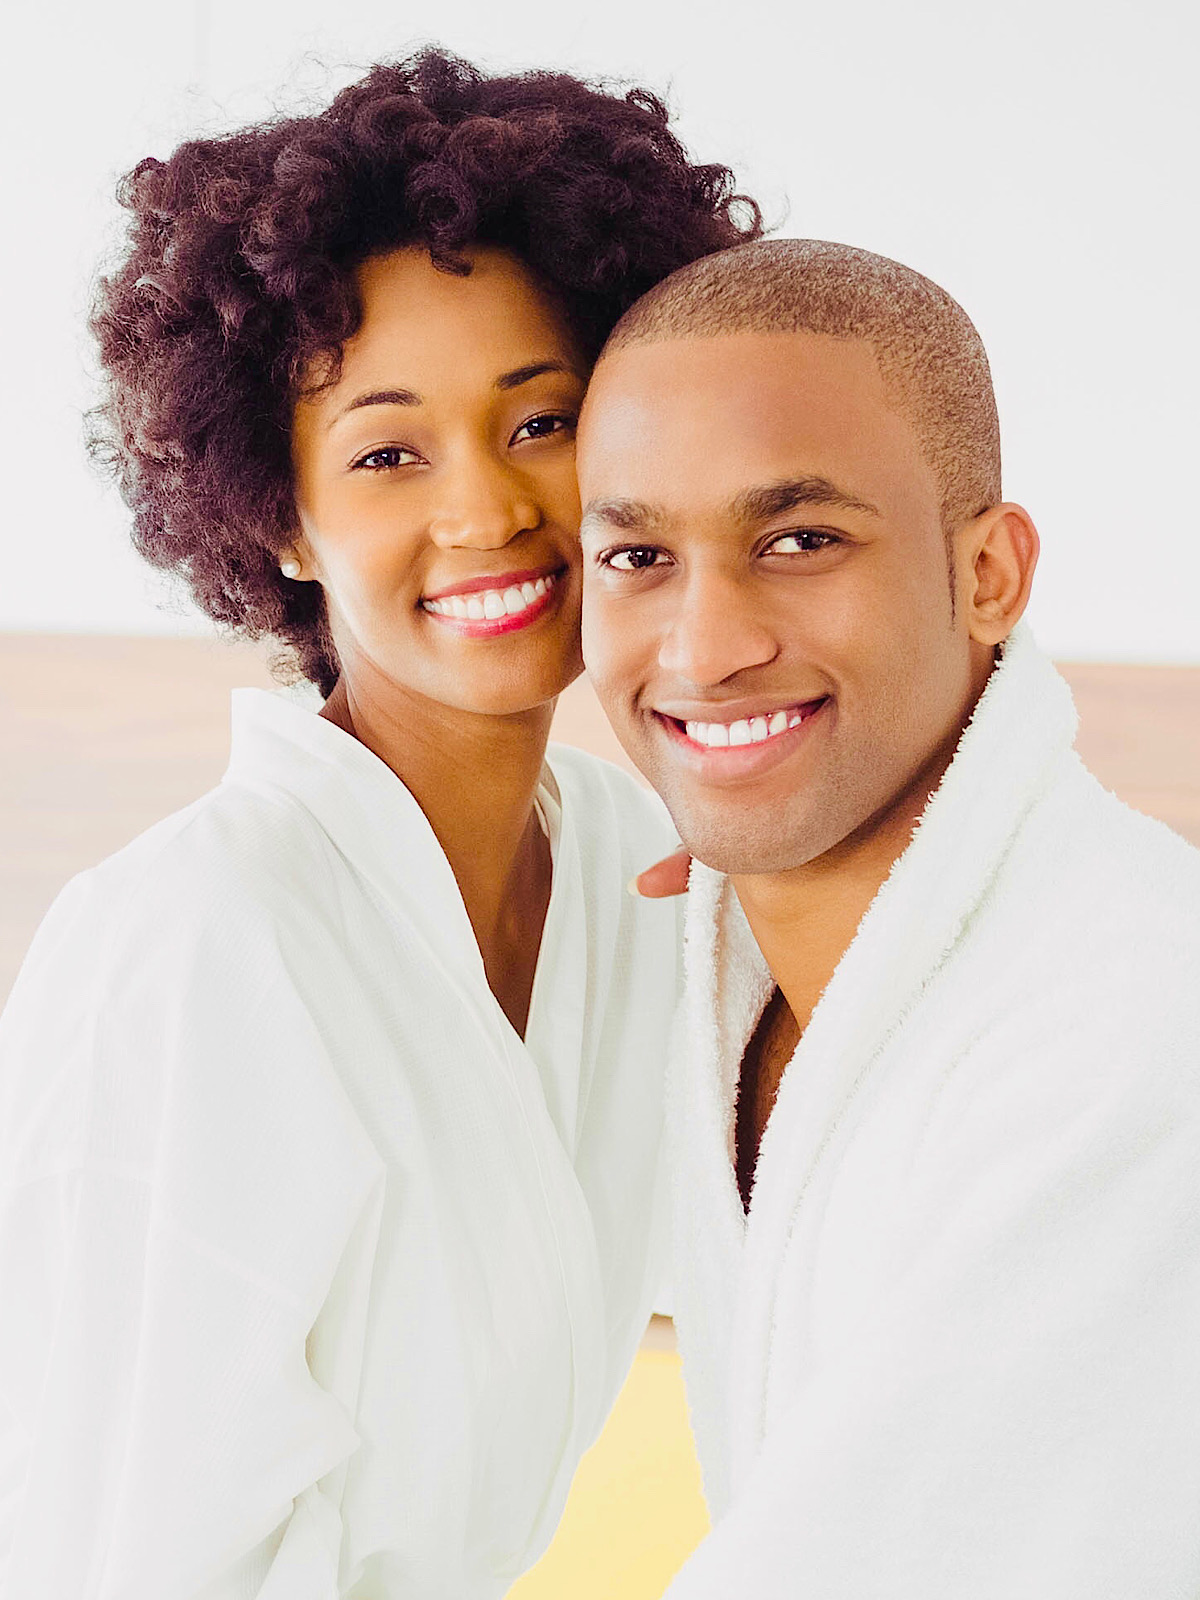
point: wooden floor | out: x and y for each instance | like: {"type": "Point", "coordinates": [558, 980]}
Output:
{"type": "Point", "coordinates": [102, 736]}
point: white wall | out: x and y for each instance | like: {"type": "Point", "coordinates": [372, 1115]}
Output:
{"type": "Point", "coordinates": [1037, 158]}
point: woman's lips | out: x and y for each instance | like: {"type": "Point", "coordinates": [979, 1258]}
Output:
{"type": "Point", "coordinates": [500, 581]}
{"type": "Point", "coordinates": [486, 608]}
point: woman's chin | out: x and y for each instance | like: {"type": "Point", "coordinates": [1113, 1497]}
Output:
{"type": "Point", "coordinates": [506, 683]}
{"type": "Point", "coordinates": [514, 681]}
{"type": "Point", "coordinates": [516, 696]}
{"type": "Point", "coordinates": [503, 692]}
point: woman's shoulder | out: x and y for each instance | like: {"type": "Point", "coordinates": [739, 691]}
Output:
{"type": "Point", "coordinates": [156, 977]}
{"type": "Point", "coordinates": [209, 889]}
{"type": "Point", "coordinates": [620, 828]}
{"type": "Point", "coordinates": [617, 806]}
{"type": "Point", "coordinates": [235, 849]}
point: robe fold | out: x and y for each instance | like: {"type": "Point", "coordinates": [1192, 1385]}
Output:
{"type": "Point", "coordinates": [317, 1280]}
{"type": "Point", "coordinates": [952, 1352]}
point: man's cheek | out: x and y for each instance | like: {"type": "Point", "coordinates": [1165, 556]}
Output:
{"type": "Point", "coordinates": [592, 640]}
{"type": "Point", "coordinates": [601, 644]}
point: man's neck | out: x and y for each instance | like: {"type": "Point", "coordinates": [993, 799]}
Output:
{"type": "Point", "coordinates": [805, 918]}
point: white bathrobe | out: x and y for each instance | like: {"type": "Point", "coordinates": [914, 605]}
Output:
{"type": "Point", "coordinates": [316, 1280]}
{"type": "Point", "coordinates": [953, 1353]}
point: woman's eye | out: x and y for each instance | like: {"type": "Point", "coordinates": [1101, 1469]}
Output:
{"type": "Point", "coordinates": [387, 458]}
{"type": "Point", "coordinates": [806, 541]}
{"type": "Point", "coordinates": [634, 558]}
{"type": "Point", "coordinates": [545, 426]}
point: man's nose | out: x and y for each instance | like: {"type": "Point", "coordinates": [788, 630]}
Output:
{"type": "Point", "coordinates": [484, 506]}
{"type": "Point", "coordinates": [716, 632]}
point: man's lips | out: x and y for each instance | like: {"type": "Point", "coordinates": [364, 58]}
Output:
{"type": "Point", "coordinates": [721, 728]}
{"type": "Point", "coordinates": [726, 749]}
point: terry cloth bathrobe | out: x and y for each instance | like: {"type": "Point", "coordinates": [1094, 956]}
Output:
{"type": "Point", "coordinates": [316, 1280]}
{"type": "Point", "coordinates": [953, 1352]}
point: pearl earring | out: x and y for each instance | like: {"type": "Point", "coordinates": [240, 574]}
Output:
{"type": "Point", "coordinates": [290, 568]}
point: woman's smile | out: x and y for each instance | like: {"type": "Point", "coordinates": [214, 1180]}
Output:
{"type": "Point", "coordinates": [485, 608]}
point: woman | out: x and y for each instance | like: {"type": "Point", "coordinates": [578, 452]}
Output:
{"type": "Point", "coordinates": [330, 1106]}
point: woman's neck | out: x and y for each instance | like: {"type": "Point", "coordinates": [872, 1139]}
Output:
{"type": "Point", "coordinates": [475, 777]}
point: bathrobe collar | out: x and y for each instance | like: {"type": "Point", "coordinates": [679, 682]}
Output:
{"type": "Point", "coordinates": [1023, 726]}
{"type": "Point", "coordinates": [361, 804]}
{"type": "Point", "coordinates": [377, 825]}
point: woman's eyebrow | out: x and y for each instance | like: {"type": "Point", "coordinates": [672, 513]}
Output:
{"type": "Point", "coordinates": [535, 369]}
{"type": "Point", "coordinates": [409, 397]}
{"type": "Point", "coordinates": [378, 397]}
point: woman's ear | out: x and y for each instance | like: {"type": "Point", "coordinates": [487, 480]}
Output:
{"type": "Point", "coordinates": [296, 562]}
{"type": "Point", "coordinates": [1000, 554]}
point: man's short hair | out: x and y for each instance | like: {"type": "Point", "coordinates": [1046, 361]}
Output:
{"type": "Point", "coordinates": [932, 361]}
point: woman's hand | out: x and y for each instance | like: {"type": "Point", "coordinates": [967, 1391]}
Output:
{"type": "Point", "coordinates": [665, 878]}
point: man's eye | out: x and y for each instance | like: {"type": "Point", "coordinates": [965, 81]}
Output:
{"type": "Point", "coordinates": [634, 558]}
{"type": "Point", "coordinates": [387, 458]}
{"type": "Point", "coordinates": [546, 426]}
{"type": "Point", "coordinates": [806, 541]}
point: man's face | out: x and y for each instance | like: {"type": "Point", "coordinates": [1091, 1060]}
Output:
{"type": "Point", "coordinates": [767, 594]}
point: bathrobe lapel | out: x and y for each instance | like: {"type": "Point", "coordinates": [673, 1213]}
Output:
{"type": "Point", "coordinates": [1020, 733]}
{"type": "Point", "coordinates": [726, 985]}
{"type": "Point", "coordinates": [381, 830]}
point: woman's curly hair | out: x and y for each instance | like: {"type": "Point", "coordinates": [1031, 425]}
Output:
{"type": "Point", "coordinates": [239, 275]}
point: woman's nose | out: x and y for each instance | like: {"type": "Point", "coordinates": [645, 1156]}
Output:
{"type": "Point", "coordinates": [486, 505]}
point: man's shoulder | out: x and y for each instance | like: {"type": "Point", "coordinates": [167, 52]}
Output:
{"type": "Point", "coordinates": [1094, 872]}
{"type": "Point", "coordinates": [1145, 840]}
{"type": "Point", "coordinates": [1073, 992]}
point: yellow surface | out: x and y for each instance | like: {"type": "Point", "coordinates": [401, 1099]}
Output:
{"type": "Point", "coordinates": [636, 1509]}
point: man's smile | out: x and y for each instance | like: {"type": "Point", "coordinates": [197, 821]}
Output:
{"type": "Point", "coordinates": [733, 743]}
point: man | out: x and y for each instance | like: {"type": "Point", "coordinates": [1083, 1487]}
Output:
{"type": "Point", "coordinates": [942, 1007]}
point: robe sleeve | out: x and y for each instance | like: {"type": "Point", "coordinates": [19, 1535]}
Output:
{"type": "Point", "coordinates": [181, 1180]}
{"type": "Point", "coordinates": [1020, 1415]}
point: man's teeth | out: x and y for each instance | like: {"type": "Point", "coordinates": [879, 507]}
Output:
{"type": "Point", "coordinates": [751, 730]}
{"type": "Point", "coordinates": [486, 605]}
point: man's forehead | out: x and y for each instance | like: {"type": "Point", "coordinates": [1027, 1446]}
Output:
{"type": "Point", "coordinates": [729, 358]}
{"type": "Point", "coordinates": [733, 423]}
{"type": "Point", "coordinates": [750, 392]}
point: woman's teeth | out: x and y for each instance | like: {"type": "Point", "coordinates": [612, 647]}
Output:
{"type": "Point", "coordinates": [486, 605]}
{"type": "Point", "coordinates": [751, 730]}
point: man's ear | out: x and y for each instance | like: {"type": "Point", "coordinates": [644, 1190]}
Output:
{"type": "Point", "coordinates": [998, 553]}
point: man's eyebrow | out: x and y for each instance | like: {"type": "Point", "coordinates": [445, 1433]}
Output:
{"type": "Point", "coordinates": [787, 494]}
{"type": "Point", "coordinates": [535, 369]}
{"type": "Point", "coordinates": [759, 504]}
{"type": "Point", "coordinates": [624, 516]}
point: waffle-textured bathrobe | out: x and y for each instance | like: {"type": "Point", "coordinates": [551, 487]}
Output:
{"type": "Point", "coordinates": [316, 1280]}
{"type": "Point", "coordinates": [953, 1352]}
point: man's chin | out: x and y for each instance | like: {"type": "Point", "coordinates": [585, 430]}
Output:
{"type": "Point", "coordinates": [736, 864]}
{"type": "Point", "coordinates": [737, 854]}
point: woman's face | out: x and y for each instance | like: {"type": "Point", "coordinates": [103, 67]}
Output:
{"type": "Point", "coordinates": [435, 485]}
